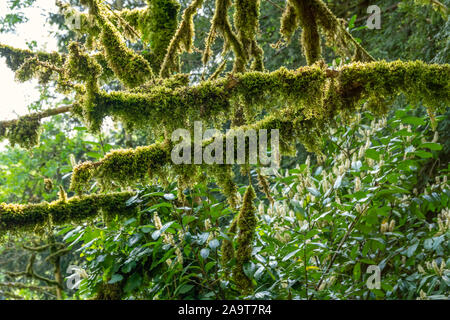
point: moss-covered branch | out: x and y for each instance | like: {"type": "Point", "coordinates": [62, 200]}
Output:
{"type": "Point", "coordinates": [171, 104]}
{"type": "Point", "coordinates": [25, 131]}
{"type": "Point", "coordinates": [375, 83]}
{"type": "Point", "coordinates": [182, 40]}
{"type": "Point", "coordinates": [29, 217]}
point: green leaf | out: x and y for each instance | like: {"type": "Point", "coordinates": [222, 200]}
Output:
{"type": "Point", "coordinates": [204, 253]}
{"type": "Point", "coordinates": [410, 251]}
{"type": "Point", "coordinates": [187, 219]}
{"type": "Point", "coordinates": [423, 154]}
{"type": "Point", "coordinates": [373, 154]}
{"type": "Point", "coordinates": [156, 234]}
{"type": "Point", "coordinates": [431, 146]}
{"type": "Point", "coordinates": [185, 288]}
{"type": "Point", "coordinates": [115, 278]}
{"type": "Point", "coordinates": [357, 271]}
{"type": "Point", "coordinates": [213, 244]}
{"type": "Point", "coordinates": [290, 255]}
{"type": "Point", "coordinates": [414, 121]}
{"type": "Point", "coordinates": [133, 282]}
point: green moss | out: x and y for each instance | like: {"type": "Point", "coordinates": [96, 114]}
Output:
{"type": "Point", "coordinates": [246, 22]}
{"type": "Point", "coordinates": [108, 291]}
{"type": "Point", "coordinates": [289, 22]}
{"type": "Point", "coordinates": [48, 185]}
{"type": "Point", "coordinates": [381, 80]}
{"type": "Point", "coordinates": [173, 105]}
{"type": "Point", "coordinates": [25, 132]}
{"type": "Point", "coordinates": [131, 68]}
{"type": "Point", "coordinates": [19, 218]}
{"type": "Point", "coordinates": [223, 175]}
{"type": "Point", "coordinates": [182, 40]}
{"type": "Point", "coordinates": [162, 24]}
{"type": "Point", "coordinates": [246, 223]}
{"type": "Point", "coordinates": [220, 24]}
{"type": "Point", "coordinates": [227, 249]}
{"type": "Point", "coordinates": [336, 33]}
{"type": "Point", "coordinates": [82, 174]}
{"type": "Point", "coordinates": [306, 13]}
{"type": "Point", "coordinates": [16, 57]}
{"type": "Point", "coordinates": [122, 167]}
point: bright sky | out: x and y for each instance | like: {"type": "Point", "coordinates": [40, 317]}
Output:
{"type": "Point", "coordinates": [14, 96]}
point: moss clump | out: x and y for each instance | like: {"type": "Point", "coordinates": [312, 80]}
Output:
{"type": "Point", "coordinates": [108, 291]}
{"type": "Point", "coordinates": [81, 67]}
{"type": "Point", "coordinates": [246, 223]}
{"type": "Point", "coordinates": [174, 105]}
{"type": "Point", "coordinates": [19, 218]}
{"type": "Point", "coordinates": [122, 167]}
{"type": "Point", "coordinates": [182, 40]}
{"type": "Point", "coordinates": [81, 176]}
{"type": "Point", "coordinates": [381, 80]}
{"type": "Point", "coordinates": [131, 68]}
{"type": "Point", "coordinates": [25, 132]}
{"type": "Point", "coordinates": [247, 25]}
{"type": "Point", "coordinates": [289, 22]}
{"type": "Point", "coordinates": [48, 185]}
{"type": "Point", "coordinates": [223, 175]}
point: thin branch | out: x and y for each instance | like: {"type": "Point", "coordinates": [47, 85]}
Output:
{"type": "Point", "coordinates": [39, 115]}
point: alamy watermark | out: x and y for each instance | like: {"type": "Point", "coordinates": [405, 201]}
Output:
{"type": "Point", "coordinates": [240, 147]}
{"type": "Point", "coordinates": [374, 280]}
{"type": "Point", "coordinates": [374, 20]}
{"type": "Point", "coordinates": [76, 274]}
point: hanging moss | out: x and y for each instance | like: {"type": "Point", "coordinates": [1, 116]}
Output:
{"type": "Point", "coordinates": [81, 67]}
{"type": "Point", "coordinates": [336, 33]}
{"type": "Point", "coordinates": [247, 25]}
{"type": "Point", "coordinates": [246, 223]}
{"type": "Point", "coordinates": [162, 24]}
{"type": "Point", "coordinates": [289, 22]}
{"type": "Point", "coordinates": [132, 69]}
{"type": "Point", "coordinates": [310, 30]}
{"type": "Point", "coordinates": [221, 24]}
{"type": "Point", "coordinates": [122, 167]}
{"type": "Point", "coordinates": [81, 176]}
{"type": "Point", "coordinates": [18, 218]}
{"type": "Point", "coordinates": [223, 175]}
{"type": "Point", "coordinates": [264, 186]}
{"type": "Point", "coordinates": [182, 40]}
